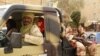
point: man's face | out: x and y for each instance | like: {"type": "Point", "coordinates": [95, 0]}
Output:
{"type": "Point", "coordinates": [40, 23]}
{"type": "Point", "coordinates": [26, 20]}
{"type": "Point", "coordinates": [80, 29]}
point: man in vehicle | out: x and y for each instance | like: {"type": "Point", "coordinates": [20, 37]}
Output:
{"type": "Point", "coordinates": [40, 24]}
{"type": "Point", "coordinates": [30, 30]}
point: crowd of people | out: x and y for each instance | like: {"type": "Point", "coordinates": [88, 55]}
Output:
{"type": "Point", "coordinates": [78, 39]}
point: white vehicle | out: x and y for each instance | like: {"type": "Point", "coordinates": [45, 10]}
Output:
{"type": "Point", "coordinates": [52, 20]}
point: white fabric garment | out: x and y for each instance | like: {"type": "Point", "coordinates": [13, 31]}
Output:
{"type": "Point", "coordinates": [34, 36]}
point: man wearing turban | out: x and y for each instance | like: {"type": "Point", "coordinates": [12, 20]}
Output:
{"type": "Point", "coordinates": [30, 30]}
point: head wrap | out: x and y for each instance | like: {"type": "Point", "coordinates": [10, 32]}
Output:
{"type": "Point", "coordinates": [28, 14]}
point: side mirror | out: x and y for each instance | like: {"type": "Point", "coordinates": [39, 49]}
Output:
{"type": "Point", "coordinates": [16, 40]}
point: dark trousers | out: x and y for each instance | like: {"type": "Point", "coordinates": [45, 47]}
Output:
{"type": "Point", "coordinates": [67, 49]}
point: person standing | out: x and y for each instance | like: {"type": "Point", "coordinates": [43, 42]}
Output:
{"type": "Point", "coordinates": [67, 49]}
{"type": "Point", "coordinates": [82, 37]}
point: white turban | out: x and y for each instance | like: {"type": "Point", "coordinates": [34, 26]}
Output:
{"type": "Point", "coordinates": [28, 14]}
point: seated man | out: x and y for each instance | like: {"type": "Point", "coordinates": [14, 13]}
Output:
{"type": "Point", "coordinates": [30, 30]}
{"type": "Point", "coordinates": [40, 24]}
{"type": "Point", "coordinates": [11, 27]}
